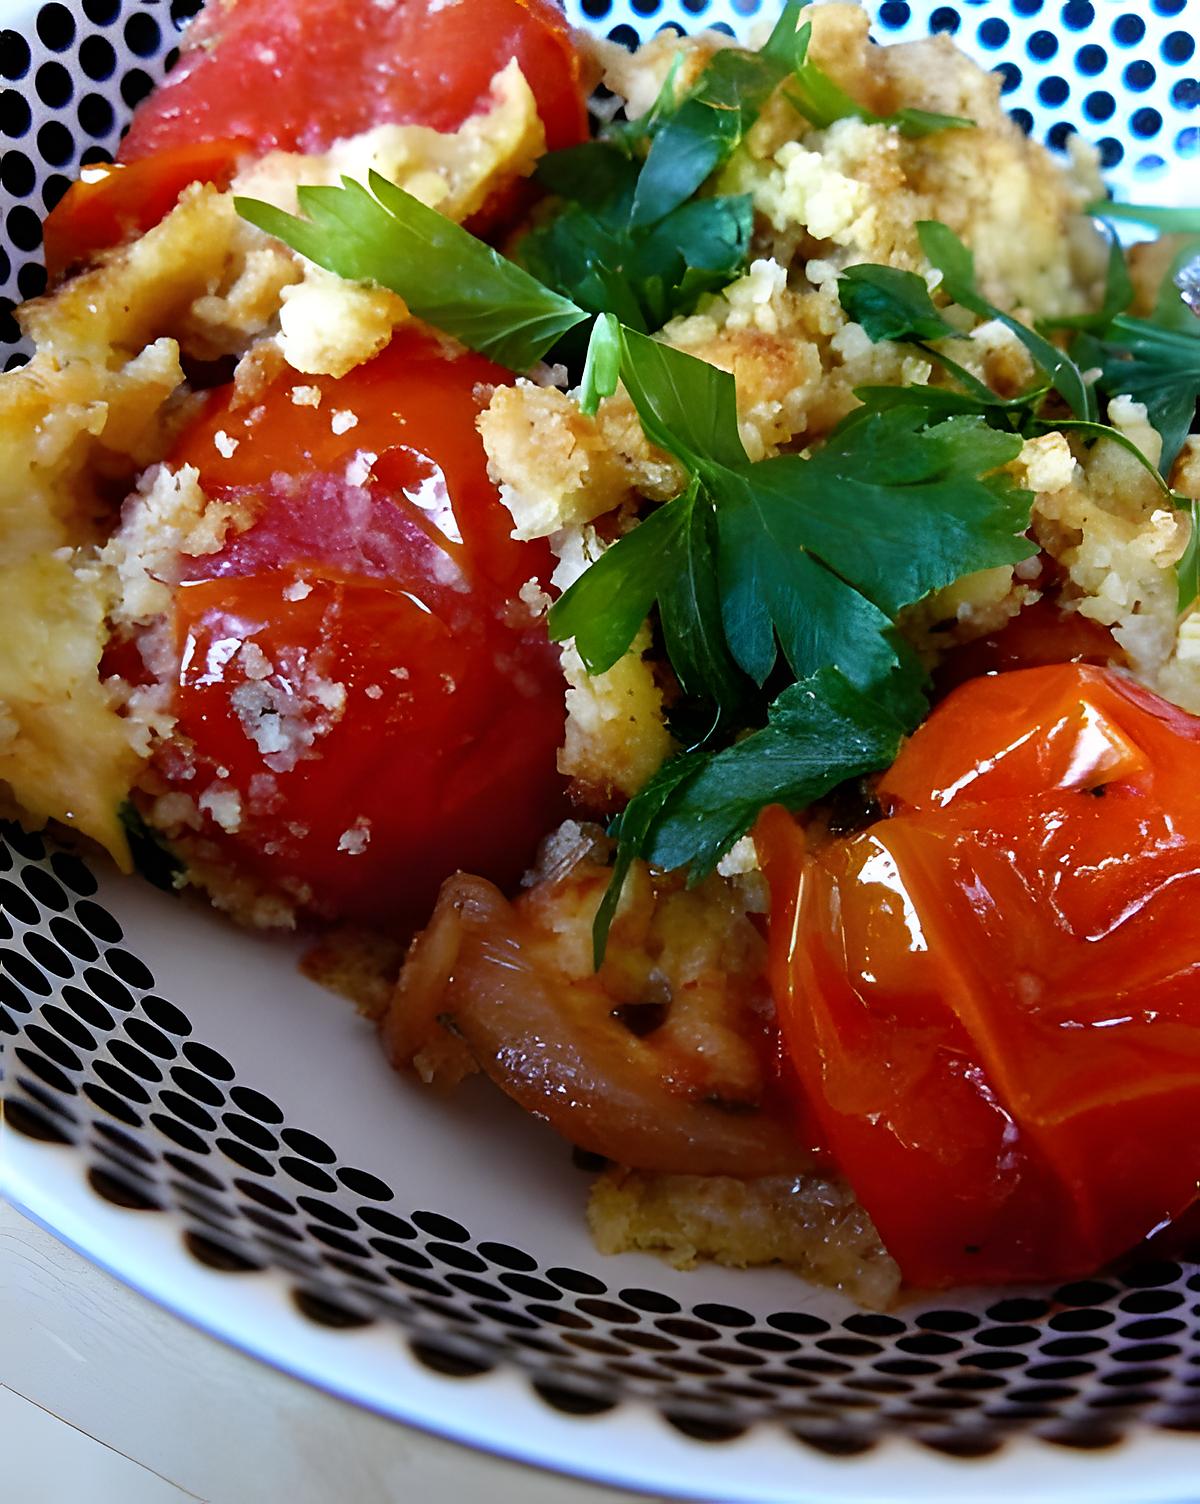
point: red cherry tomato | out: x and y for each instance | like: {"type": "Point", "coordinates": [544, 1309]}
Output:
{"type": "Point", "coordinates": [255, 75]}
{"type": "Point", "coordinates": [112, 202]}
{"type": "Point", "coordinates": [993, 997]}
{"type": "Point", "coordinates": [1039, 634]}
{"type": "Point", "coordinates": [364, 704]}
{"type": "Point", "coordinates": [302, 75]}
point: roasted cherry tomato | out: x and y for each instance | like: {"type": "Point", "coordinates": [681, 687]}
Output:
{"type": "Point", "coordinates": [255, 76]}
{"type": "Point", "coordinates": [364, 702]}
{"type": "Point", "coordinates": [111, 202]}
{"type": "Point", "coordinates": [302, 75]}
{"type": "Point", "coordinates": [992, 997]}
{"type": "Point", "coordinates": [1038, 635]}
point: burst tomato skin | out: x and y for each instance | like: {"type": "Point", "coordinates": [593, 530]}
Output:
{"type": "Point", "coordinates": [992, 998]}
{"type": "Point", "coordinates": [299, 76]}
{"type": "Point", "coordinates": [363, 702]}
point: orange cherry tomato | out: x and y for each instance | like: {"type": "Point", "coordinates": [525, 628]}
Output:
{"type": "Point", "coordinates": [302, 75]}
{"type": "Point", "coordinates": [992, 998]}
{"type": "Point", "coordinates": [113, 202]}
{"type": "Point", "coordinates": [364, 703]}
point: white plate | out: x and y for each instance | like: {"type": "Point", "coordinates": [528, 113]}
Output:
{"type": "Point", "coordinates": [188, 1066]}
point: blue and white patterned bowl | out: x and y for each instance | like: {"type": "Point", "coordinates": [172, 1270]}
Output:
{"type": "Point", "coordinates": [189, 1112]}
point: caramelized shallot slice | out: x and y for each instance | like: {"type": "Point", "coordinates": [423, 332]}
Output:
{"type": "Point", "coordinates": [556, 1046]}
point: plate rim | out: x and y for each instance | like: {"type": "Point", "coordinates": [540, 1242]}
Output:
{"type": "Point", "coordinates": [631, 1447]}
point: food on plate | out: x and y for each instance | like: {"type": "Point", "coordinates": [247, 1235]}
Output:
{"type": "Point", "coordinates": [372, 609]}
{"type": "Point", "coordinates": [698, 618]}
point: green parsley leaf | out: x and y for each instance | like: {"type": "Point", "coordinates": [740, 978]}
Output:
{"type": "Point", "coordinates": [896, 305]}
{"type": "Point", "coordinates": [152, 857]}
{"type": "Point", "coordinates": [1157, 360]}
{"type": "Point", "coordinates": [689, 608]}
{"type": "Point", "coordinates": [442, 272]}
{"type": "Point", "coordinates": [914, 123]}
{"type": "Point", "coordinates": [820, 732]}
{"type": "Point", "coordinates": [698, 248]}
{"type": "Point", "coordinates": [1160, 367]}
{"type": "Point", "coordinates": [670, 557]}
{"type": "Point", "coordinates": [582, 258]}
{"type": "Point", "coordinates": [601, 175]}
{"type": "Point", "coordinates": [602, 366]}
{"type": "Point", "coordinates": [645, 277]}
{"type": "Point", "coordinates": [916, 508]}
{"type": "Point", "coordinates": [605, 607]}
{"type": "Point", "coordinates": [631, 827]}
{"type": "Point", "coordinates": [1188, 568]}
{"type": "Point", "coordinates": [691, 142]}
{"type": "Point", "coordinates": [619, 244]}
{"type": "Point", "coordinates": [777, 589]}
{"type": "Point", "coordinates": [1165, 221]}
{"type": "Point", "coordinates": [1009, 415]}
{"type": "Point", "coordinates": [937, 402]}
{"type": "Point", "coordinates": [821, 101]}
{"type": "Point", "coordinates": [891, 304]}
{"type": "Point", "coordinates": [815, 556]}
{"type": "Point", "coordinates": [957, 266]}
{"type": "Point", "coordinates": [686, 406]}
{"type": "Point", "coordinates": [629, 237]}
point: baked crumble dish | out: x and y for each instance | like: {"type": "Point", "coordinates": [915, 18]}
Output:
{"type": "Point", "coordinates": [694, 612]}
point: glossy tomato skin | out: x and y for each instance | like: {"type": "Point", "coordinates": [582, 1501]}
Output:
{"type": "Point", "coordinates": [993, 997]}
{"type": "Point", "coordinates": [300, 76]}
{"type": "Point", "coordinates": [112, 201]}
{"type": "Point", "coordinates": [364, 704]}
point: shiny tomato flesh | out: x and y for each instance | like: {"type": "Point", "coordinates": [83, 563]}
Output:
{"type": "Point", "coordinates": [992, 998]}
{"type": "Point", "coordinates": [300, 76]}
{"type": "Point", "coordinates": [356, 668]}
{"type": "Point", "coordinates": [111, 202]}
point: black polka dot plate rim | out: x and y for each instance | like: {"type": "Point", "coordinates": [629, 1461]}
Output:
{"type": "Point", "coordinates": [190, 1113]}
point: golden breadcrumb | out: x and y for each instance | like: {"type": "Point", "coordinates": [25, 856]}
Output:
{"type": "Point", "coordinates": [809, 1223]}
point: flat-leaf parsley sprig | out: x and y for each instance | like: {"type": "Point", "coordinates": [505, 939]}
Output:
{"type": "Point", "coordinates": [954, 260]}
{"type": "Point", "coordinates": [1160, 367]}
{"type": "Point", "coordinates": [820, 732]}
{"type": "Point", "coordinates": [628, 234]}
{"type": "Point", "coordinates": [633, 232]}
{"type": "Point", "coordinates": [896, 305]}
{"type": "Point", "coordinates": [1153, 360]}
{"type": "Point", "coordinates": [1156, 360]}
{"type": "Point", "coordinates": [444, 274]}
{"type": "Point", "coordinates": [812, 558]}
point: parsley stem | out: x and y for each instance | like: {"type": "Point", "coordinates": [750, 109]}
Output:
{"type": "Point", "coordinates": [964, 377]}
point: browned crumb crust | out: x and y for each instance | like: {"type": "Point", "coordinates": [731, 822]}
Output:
{"type": "Point", "coordinates": [359, 965]}
{"type": "Point", "coordinates": [808, 1223]}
